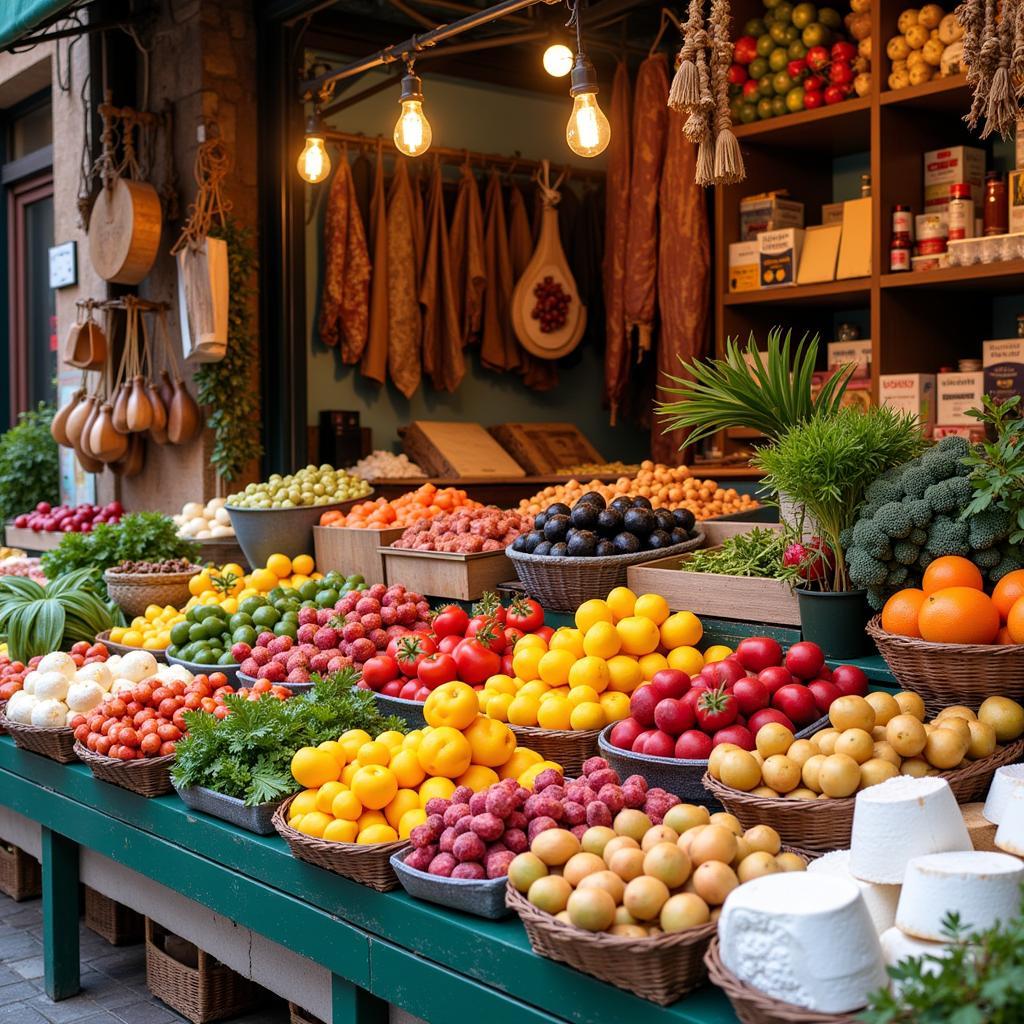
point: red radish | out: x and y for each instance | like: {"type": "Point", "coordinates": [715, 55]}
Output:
{"type": "Point", "coordinates": [694, 745]}
{"type": "Point", "coordinates": [850, 680]}
{"type": "Point", "coordinates": [761, 718]}
{"type": "Point", "coordinates": [670, 682]}
{"type": "Point", "coordinates": [775, 677]}
{"type": "Point", "coordinates": [642, 704]}
{"type": "Point", "coordinates": [824, 693]}
{"type": "Point", "coordinates": [758, 652]}
{"type": "Point", "coordinates": [805, 659]}
{"type": "Point", "coordinates": [660, 744]}
{"type": "Point", "coordinates": [673, 716]}
{"type": "Point", "coordinates": [624, 733]}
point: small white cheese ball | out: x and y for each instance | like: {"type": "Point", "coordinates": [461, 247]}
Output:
{"type": "Point", "coordinates": [114, 664]}
{"type": "Point", "coordinates": [191, 509]}
{"type": "Point", "coordinates": [58, 661]}
{"type": "Point", "coordinates": [218, 530]}
{"type": "Point", "coordinates": [120, 686]}
{"type": "Point", "coordinates": [138, 665]}
{"type": "Point", "coordinates": [222, 516]}
{"type": "Point", "coordinates": [51, 686]}
{"type": "Point", "coordinates": [97, 673]}
{"type": "Point", "coordinates": [19, 707]}
{"type": "Point", "coordinates": [28, 684]}
{"type": "Point", "coordinates": [84, 695]}
{"type": "Point", "coordinates": [215, 503]}
{"type": "Point", "coordinates": [49, 714]}
{"type": "Point", "coordinates": [179, 672]}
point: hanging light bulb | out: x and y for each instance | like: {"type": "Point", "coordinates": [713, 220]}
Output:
{"type": "Point", "coordinates": [558, 60]}
{"type": "Point", "coordinates": [588, 131]}
{"type": "Point", "coordinates": [412, 129]}
{"type": "Point", "coordinates": [314, 164]}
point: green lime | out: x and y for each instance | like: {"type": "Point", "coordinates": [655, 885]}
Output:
{"type": "Point", "coordinates": [239, 619]}
{"type": "Point", "coordinates": [286, 629]}
{"type": "Point", "coordinates": [736, 108]}
{"type": "Point", "coordinates": [782, 83]}
{"type": "Point", "coordinates": [290, 617]}
{"type": "Point", "coordinates": [830, 18]}
{"type": "Point", "coordinates": [758, 67]}
{"type": "Point", "coordinates": [804, 14]}
{"type": "Point", "coordinates": [227, 658]}
{"type": "Point", "coordinates": [778, 32]}
{"type": "Point", "coordinates": [816, 34]}
{"type": "Point", "coordinates": [748, 113]}
{"type": "Point", "coordinates": [267, 616]}
{"type": "Point", "coordinates": [778, 59]}
{"type": "Point", "coordinates": [250, 605]}
{"type": "Point", "coordinates": [764, 108]}
{"type": "Point", "coordinates": [754, 27]}
{"type": "Point", "coordinates": [197, 631]}
{"type": "Point", "coordinates": [783, 11]}
{"type": "Point", "coordinates": [765, 45]}
{"type": "Point", "coordinates": [765, 87]}
{"type": "Point", "coordinates": [795, 99]}
{"type": "Point", "coordinates": [205, 657]}
{"type": "Point", "coordinates": [308, 590]}
{"type": "Point", "coordinates": [796, 50]}
{"type": "Point", "coordinates": [172, 650]}
{"type": "Point", "coordinates": [354, 579]}
{"type": "Point", "coordinates": [791, 35]}
{"type": "Point", "coordinates": [327, 598]}
{"type": "Point", "coordinates": [778, 105]}
{"type": "Point", "coordinates": [244, 635]}
{"type": "Point", "coordinates": [179, 633]}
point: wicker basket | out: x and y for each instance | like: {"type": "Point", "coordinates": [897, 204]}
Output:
{"type": "Point", "coordinates": [819, 826]}
{"type": "Point", "coordinates": [21, 877]}
{"type": "Point", "coordinates": [567, 747]}
{"type": "Point", "coordinates": [753, 1007]}
{"type": "Point", "coordinates": [207, 992]}
{"type": "Point", "coordinates": [563, 584]}
{"type": "Point", "coordinates": [56, 744]}
{"type": "Point", "coordinates": [219, 551]}
{"type": "Point", "coordinates": [409, 711]}
{"type": "Point", "coordinates": [945, 674]}
{"type": "Point", "coordinates": [113, 921]}
{"type": "Point", "coordinates": [660, 968]}
{"type": "Point", "coordinates": [297, 1015]}
{"type": "Point", "coordinates": [367, 864]}
{"type": "Point", "coordinates": [482, 897]}
{"type": "Point", "coordinates": [148, 776]}
{"type": "Point", "coordinates": [122, 649]}
{"type": "Point", "coordinates": [135, 591]}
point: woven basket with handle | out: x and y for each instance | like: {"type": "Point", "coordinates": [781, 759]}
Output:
{"type": "Point", "coordinates": [660, 968]}
{"type": "Point", "coordinates": [56, 744]}
{"type": "Point", "coordinates": [297, 1015]}
{"type": "Point", "coordinates": [113, 921]}
{"type": "Point", "coordinates": [567, 747]}
{"type": "Point", "coordinates": [945, 674]}
{"type": "Point", "coordinates": [563, 584]}
{"type": "Point", "coordinates": [754, 1007]}
{"type": "Point", "coordinates": [819, 826]}
{"type": "Point", "coordinates": [136, 591]}
{"type": "Point", "coordinates": [368, 864]}
{"type": "Point", "coordinates": [148, 776]}
{"type": "Point", "coordinates": [21, 877]}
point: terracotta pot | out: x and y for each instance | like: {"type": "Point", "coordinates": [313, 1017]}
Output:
{"type": "Point", "coordinates": [158, 428]}
{"type": "Point", "coordinates": [58, 427]}
{"type": "Point", "coordinates": [140, 412]}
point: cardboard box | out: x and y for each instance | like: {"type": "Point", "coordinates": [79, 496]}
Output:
{"type": "Point", "coordinates": [855, 247]}
{"type": "Point", "coordinates": [842, 353]}
{"type": "Point", "coordinates": [831, 213]}
{"type": "Point", "coordinates": [857, 393]}
{"type": "Point", "coordinates": [1002, 361]}
{"type": "Point", "coordinates": [820, 252]}
{"type": "Point", "coordinates": [780, 256]}
{"type": "Point", "coordinates": [744, 266]}
{"type": "Point", "coordinates": [956, 393]}
{"type": "Point", "coordinates": [973, 434]}
{"type": "Point", "coordinates": [951, 166]}
{"type": "Point", "coordinates": [768, 212]}
{"type": "Point", "coordinates": [1015, 196]}
{"type": "Point", "coordinates": [912, 393]}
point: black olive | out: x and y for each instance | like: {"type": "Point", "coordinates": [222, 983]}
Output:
{"type": "Point", "coordinates": [585, 515]}
{"type": "Point", "coordinates": [556, 527]}
{"type": "Point", "coordinates": [641, 502]}
{"type": "Point", "coordinates": [533, 538]}
{"type": "Point", "coordinates": [583, 543]}
{"type": "Point", "coordinates": [640, 521]}
{"type": "Point", "coordinates": [592, 498]}
{"type": "Point", "coordinates": [684, 518]}
{"type": "Point", "coordinates": [626, 543]}
{"type": "Point", "coordinates": [621, 505]}
{"type": "Point", "coordinates": [559, 550]}
{"type": "Point", "coordinates": [680, 536]}
{"type": "Point", "coordinates": [666, 521]}
{"type": "Point", "coordinates": [539, 520]}
{"type": "Point", "coordinates": [605, 548]}
{"type": "Point", "coordinates": [659, 539]}
{"type": "Point", "coordinates": [609, 522]}
{"type": "Point", "coordinates": [519, 544]}
{"type": "Point", "coordinates": [543, 548]}
{"type": "Point", "coordinates": [559, 508]}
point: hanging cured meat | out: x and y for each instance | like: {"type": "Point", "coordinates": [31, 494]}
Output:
{"type": "Point", "coordinates": [585, 260]}
{"type": "Point", "coordinates": [466, 242]}
{"type": "Point", "coordinates": [684, 274]}
{"type": "Point", "coordinates": [650, 120]}
{"type": "Point", "coordinates": [419, 224]}
{"type": "Point", "coordinates": [362, 185]}
{"type": "Point", "coordinates": [344, 310]}
{"type": "Point", "coordinates": [498, 349]}
{"type": "Point", "coordinates": [375, 356]}
{"type": "Point", "coordinates": [443, 360]}
{"type": "Point", "coordinates": [403, 284]}
{"type": "Point", "coordinates": [616, 353]}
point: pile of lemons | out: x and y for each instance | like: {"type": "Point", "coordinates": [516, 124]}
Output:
{"type": "Point", "coordinates": [229, 584]}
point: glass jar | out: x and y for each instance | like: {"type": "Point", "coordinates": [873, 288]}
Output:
{"type": "Point", "coordinates": [995, 211]}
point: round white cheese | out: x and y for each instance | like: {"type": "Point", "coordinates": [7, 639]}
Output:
{"type": "Point", "coordinates": [773, 930]}
{"type": "Point", "coordinates": [982, 888]}
{"type": "Point", "coordinates": [880, 899]}
{"type": "Point", "coordinates": [900, 819]}
{"type": "Point", "coordinates": [1005, 782]}
{"type": "Point", "coordinates": [1010, 834]}
{"type": "Point", "coordinates": [897, 947]}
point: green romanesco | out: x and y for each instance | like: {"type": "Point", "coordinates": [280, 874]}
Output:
{"type": "Point", "coordinates": [920, 512]}
{"type": "Point", "coordinates": [872, 538]}
{"type": "Point", "coordinates": [885, 488]}
{"type": "Point", "coordinates": [893, 519]}
{"type": "Point", "coordinates": [1010, 562]}
{"type": "Point", "coordinates": [918, 537]}
{"type": "Point", "coordinates": [987, 558]}
{"type": "Point", "coordinates": [897, 576]}
{"type": "Point", "coordinates": [916, 480]}
{"type": "Point", "coordinates": [947, 537]}
{"type": "Point", "coordinates": [943, 460]}
{"type": "Point", "coordinates": [988, 528]}
{"type": "Point", "coordinates": [905, 553]}
{"type": "Point", "coordinates": [865, 571]}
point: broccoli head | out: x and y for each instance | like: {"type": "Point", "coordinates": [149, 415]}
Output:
{"type": "Point", "coordinates": [871, 538]}
{"type": "Point", "coordinates": [897, 576]}
{"type": "Point", "coordinates": [947, 537]}
{"type": "Point", "coordinates": [941, 498]}
{"type": "Point", "coordinates": [987, 558]}
{"type": "Point", "coordinates": [905, 553]}
{"type": "Point", "coordinates": [886, 488]}
{"type": "Point", "coordinates": [893, 520]}
{"type": "Point", "coordinates": [865, 571]}
{"type": "Point", "coordinates": [988, 528]}
{"type": "Point", "coordinates": [924, 559]}
{"type": "Point", "coordinates": [877, 596]}
{"type": "Point", "coordinates": [942, 461]}
{"type": "Point", "coordinates": [918, 537]}
{"type": "Point", "coordinates": [916, 480]}
{"type": "Point", "coordinates": [1010, 562]}
{"type": "Point", "coordinates": [920, 512]}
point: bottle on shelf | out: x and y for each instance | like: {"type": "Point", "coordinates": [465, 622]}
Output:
{"type": "Point", "coordinates": [961, 211]}
{"type": "Point", "coordinates": [900, 246]}
{"type": "Point", "coordinates": [995, 210]}
{"type": "Point", "coordinates": [865, 186]}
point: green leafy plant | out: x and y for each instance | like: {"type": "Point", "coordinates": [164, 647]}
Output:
{"type": "Point", "coordinates": [248, 754]}
{"type": "Point", "coordinates": [227, 387]}
{"type": "Point", "coordinates": [979, 981]}
{"type": "Point", "coordinates": [757, 553]}
{"type": "Point", "coordinates": [37, 620]}
{"type": "Point", "coordinates": [997, 466]}
{"type": "Point", "coordinates": [29, 467]}
{"type": "Point", "coordinates": [138, 537]}
{"type": "Point", "coordinates": [770, 393]}
{"type": "Point", "coordinates": [825, 464]}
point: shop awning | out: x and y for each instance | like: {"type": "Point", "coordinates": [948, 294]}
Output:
{"type": "Point", "coordinates": [17, 18]}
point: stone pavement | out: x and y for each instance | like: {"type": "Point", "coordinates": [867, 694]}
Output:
{"type": "Point", "coordinates": [113, 979]}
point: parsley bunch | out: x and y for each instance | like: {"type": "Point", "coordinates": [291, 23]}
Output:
{"type": "Point", "coordinates": [29, 466]}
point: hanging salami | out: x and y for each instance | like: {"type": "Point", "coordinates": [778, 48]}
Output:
{"type": "Point", "coordinates": [403, 284]}
{"type": "Point", "coordinates": [466, 241]}
{"type": "Point", "coordinates": [375, 356]}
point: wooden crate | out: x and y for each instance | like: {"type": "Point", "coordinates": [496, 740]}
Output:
{"type": "Point", "coordinates": [30, 540]}
{"type": "Point", "coordinates": [297, 1015]}
{"type": "Point", "coordinates": [113, 921]}
{"type": "Point", "coordinates": [21, 877]}
{"type": "Point", "coordinates": [545, 447]}
{"type": "Point", "coordinates": [353, 551]}
{"type": "Point", "coordinates": [447, 574]}
{"type": "Point", "coordinates": [712, 594]}
{"type": "Point", "coordinates": [456, 450]}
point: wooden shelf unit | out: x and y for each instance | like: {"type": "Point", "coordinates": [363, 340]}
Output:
{"type": "Point", "coordinates": [917, 321]}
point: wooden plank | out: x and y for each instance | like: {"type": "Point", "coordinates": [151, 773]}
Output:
{"type": "Point", "coordinates": [31, 540]}
{"type": "Point", "coordinates": [60, 916]}
{"type": "Point", "coordinates": [447, 574]}
{"type": "Point", "coordinates": [457, 449]}
{"type": "Point", "coordinates": [545, 447]}
{"type": "Point", "coordinates": [353, 551]}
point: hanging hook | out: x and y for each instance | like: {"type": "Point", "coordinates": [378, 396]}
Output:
{"type": "Point", "coordinates": [667, 17]}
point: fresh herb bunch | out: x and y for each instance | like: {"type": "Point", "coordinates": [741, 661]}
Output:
{"type": "Point", "coordinates": [248, 754]}
{"type": "Point", "coordinates": [825, 464]}
{"type": "Point", "coordinates": [997, 467]}
{"type": "Point", "coordinates": [771, 393]}
{"type": "Point", "coordinates": [139, 537]}
{"type": "Point", "coordinates": [35, 620]}
{"type": "Point", "coordinates": [29, 466]}
{"type": "Point", "coordinates": [227, 387]}
{"type": "Point", "coordinates": [979, 981]}
{"type": "Point", "coordinates": [756, 553]}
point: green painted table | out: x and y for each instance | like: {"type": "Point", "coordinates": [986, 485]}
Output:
{"type": "Point", "coordinates": [440, 965]}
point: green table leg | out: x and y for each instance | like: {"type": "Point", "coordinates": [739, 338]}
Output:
{"type": "Point", "coordinates": [351, 1004]}
{"type": "Point", "coordinates": [60, 916]}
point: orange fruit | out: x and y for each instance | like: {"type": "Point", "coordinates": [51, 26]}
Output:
{"type": "Point", "coordinates": [1015, 624]}
{"type": "Point", "coordinates": [951, 571]}
{"type": "Point", "coordinates": [1003, 636]}
{"type": "Point", "coordinates": [960, 615]}
{"type": "Point", "coordinates": [901, 610]}
{"type": "Point", "coordinates": [1008, 591]}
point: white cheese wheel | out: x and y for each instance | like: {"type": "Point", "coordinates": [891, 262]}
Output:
{"type": "Point", "coordinates": [897, 947]}
{"type": "Point", "coordinates": [880, 899]}
{"type": "Point", "coordinates": [773, 931]}
{"type": "Point", "coordinates": [97, 673]}
{"type": "Point", "coordinates": [28, 684]}
{"type": "Point", "coordinates": [138, 665]}
{"type": "Point", "coordinates": [900, 819]}
{"type": "Point", "coordinates": [1005, 781]}
{"type": "Point", "coordinates": [19, 707]}
{"type": "Point", "coordinates": [982, 888]}
{"type": "Point", "coordinates": [1010, 834]}
{"type": "Point", "coordinates": [51, 685]}
{"type": "Point", "coordinates": [58, 661]}
{"type": "Point", "coordinates": [50, 714]}
{"type": "Point", "coordinates": [84, 696]}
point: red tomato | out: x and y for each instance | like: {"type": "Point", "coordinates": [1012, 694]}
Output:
{"type": "Point", "coordinates": [436, 669]}
{"type": "Point", "coordinates": [82, 733]}
{"type": "Point", "coordinates": [642, 702]}
{"type": "Point", "coordinates": [805, 660]}
{"type": "Point", "coordinates": [525, 614]}
{"type": "Point", "coordinates": [850, 680]}
{"type": "Point", "coordinates": [751, 695]}
{"type": "Point", "coordinates": [408, 690]}
{"type": "Point", "coordinates": [738, 734]}
{"type": "Point", "coordinates": [475, 662]}
{"type": "Point", "coordinates": [451, 620]}
{"type": "Point", "coordinates": [775, 676]}
{"type": "Point", "coordinates": [796, 702]}
{"type": "Point", "coordinates": [737, 74]}
{"type": "Point", "coordinates": [160, 694]}
{"type": "Point", "coordinates": [380, 670]}
{"type": "Point", "coordinates": [797, 69]}
{"type": "Point", "coordinates": [507, 667]}
{"type": "Point", "coordinates": [411, 650]}
{"type": "Point", "coordinates": [82, 647]}
{"type": "Point", "coordinates": [148, 727]}
{"type": "Point", "coordinates": [178, 720]}
{"type": "Point", "coordinates": [817, 58]}
{"type": "Point", "coordinates": [693, 745]}
{"type": "Point", "coordinates": [844, 51]}
{"type": "Point", "coordinates": [751, 92]}
{"type": "Point", "coordinates": [150, 745]}
{"type": "Point", "coordinates": [262, 686]}
{"type": "Point", "coordinates": [422, 693]}
{"type": "Point", "coordinates": [208, 704]}
{"type": "Point", "coordinates": [716, 709]}
{"type": "Point", "coordinates": [758, 652]}
{"type": "Point", "coordinates": [660, 744]}
{"type": "Point", "coordinates": [624, 733]}
{"type": "Point", "coordinates": [222, 712]}
{"type": "Point", "coordinates": [824, 692]}
{"type": "Point", "coordinates": [116, 708]}
{"type": "Point", "coordinates": [488, 632]}
{"type": "Point", "coordinates": [724, 673]}
{"type": "Point", "coordinates": [166, 749]}
{"type": "Point", "coordinates": [833, 94]}
{"type": "Point", "coordinates": [193, 701]}
{"type": "Point", "coordinates": [223, 691]}
{"type": "Point", "coordinates": [167, 731]}
{"type": "Point", "coordinates": [391, 689]}
{"type": "Point", "coordinates": [670, 682]}
{"type": "Point", "coordinates": [673, 716]}
{"type": "Point", "coordinates": [218, 679]}
{"type": "Point", "coordinates": [745, 49]}
{"type": "Point", "coordinates": [447, 644]}
{"type": "Point", "coordinates": [167, 708]}
{"type": "Point", "coordinates": [761, 718]}
{"type": "Point", "coordinates": [545, 633]}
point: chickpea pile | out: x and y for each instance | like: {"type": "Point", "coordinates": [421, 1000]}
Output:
{"type": "Point", "coordinates": [668, 487]}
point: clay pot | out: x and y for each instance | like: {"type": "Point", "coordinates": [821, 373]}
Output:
{"type": "Point", "coordinates": [76, 420]}
{"type": "Point", "coordinates": [107, 444]}
{"type": "Point", "coordinates": [140, 412]}
{"type": "Point", "coordinates": [58, 426]}
{"type": "Point", "coordinates": [120, 404]}
{"type": "Point", "coordinates": [158, 428]}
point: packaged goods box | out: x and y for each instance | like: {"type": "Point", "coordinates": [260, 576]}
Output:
{"type": "Point", "coordinates": [1002, 361]}
{"type": "Point", "coordinates": [951, 166]}
{"type": "Point", "coordinates": [857, 393]}
{"type": "Point", "coordinates": [912, 393]}
{"type": "Point", "coordinates": [956, 395]}
{"type": "Point", "coordinates": [744, 266]}
{"type": "Point", "coordinates": [768, 212]}
{"type": "Point", "coordinates": [858, 352]}
{"type": "Point", "coordinates": [780, 256]}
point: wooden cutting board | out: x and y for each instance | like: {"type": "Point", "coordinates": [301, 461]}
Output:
{"type": "Point", "coordinates": [457, 449]}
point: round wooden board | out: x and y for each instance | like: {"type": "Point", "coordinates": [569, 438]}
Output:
{"type": "Point", "coordinates": [124, 231]}
{"type": "Point", "coordinates": [555, 344]}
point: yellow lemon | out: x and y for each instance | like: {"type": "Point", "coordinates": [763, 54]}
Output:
{"type": "Point", "coordinates": [392, 739]}
{"type": "Point", "coordinates": [686, 659]}
{"type": "Point", "coordinates": [590, 671]}
{"type": "Point", "coordinates": [375, 786]}
{"type": "Point", "coordinates": [478, 777]}
{"type": "Point", "coordinates": [590, 612]}
{"type": "Point", "coordinates": [567, 639]}
{"type": "Point", "coordinates": [683, 629]}
{"type": "Point", "coordinates": [325, 796]}
{"type": "Point", "coordinates": [530, 640]}
{"type": "Point", "coordinates": [348, 771]}
{"type": "Point", "coordinates": [438, 786]}
{"type": "Point", "coordinates": [521, 759]}
{"type": "Point", "coordinates": [554, 713]}
{"type": "Point", "coordinates": [230, 605]}
{"type": "Point", "coordinates": [525, 661]}
{"type": "Point", "coordinates": [406, 766]}
{"type": "Point", "coordinates": [263, 580]}
{"type": "Point", "coordinates": [117, 634]}
{"type": "Point", "coordinates": [280, 565]}
{"type": "Point", "coordinates": [498, 705]}
{"type": "Point", "coordinates": [622, 601]}
{"type": "Point", "coordinates": [716, 653]}
{"type": "Point", "coordinates": [152, 612]}
{"type": "Point", "coordinates": [375, 752]}
{"type": "Point", "coordinates": [312, 767]}
{"type": "Point", "coordinates": [582, 695]}
{"type": "Point", "coordinates": [417, 816]}
{"type": "Point", "coordinates": [653, 607]}
{"type": "Point", "coordinates": [501, 684]}
{"type": "Point", "coordinates": [534, 688]}
{"type": "Point", "coordinates": [312, 824]}
{"type": "Point", "coordinates": [522, 710]}
{"type": "Point", "coordinates": [588, 715]}
{"type": "Point", "coordinates": [602, 641]}
{"type": "Point", "coordinates": [651, 664]}
{"type": "Point", "coordinates": [302, 564]}
{"type": "Point", "coordinates": [639, 635]}
{"type": "Point", "coordinates": [199, 584]}
{"type": "Point", "coordinates": [624, 674]}
{"type": "Point", "coordinates": [346, 805]}
{"type": "Point", "coordinates": [554, 666]}
{"type": "Point", "coordinates": [334, 748]}
{"type": "Point", "coordinates": [616, 705]}
{"type": "Point", "coordinates": [376, 833]}
{"type": "Point", "coordinates": [341, 831]}
{"type": "Point", "coordinates": [404, 800]}
{"type": "Point", "coordinates": [353, 740]}
{"type": "Point", "coordinates": [303, 803]}
{"type": "Point", "coordinates": [412, 739]}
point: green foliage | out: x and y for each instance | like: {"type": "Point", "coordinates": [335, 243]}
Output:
{"type": "Point", "coordinates": [248, 754]}
{"type": "Point", "coordinates": [141, 536]}
{"type": "Point", "coordinates": [772, 395]}
{"type": "Point", "coordinates": [35, 620]}
{"type": "Point", "coordinates": [826, 464]}
{"type": "Point", "coordinates": [997, 467]}
{"type": "Point", "coordinates": [227, 387]}
{"type": "Point", "coordinates": [980, 981]}
{"type": "Point", "coordinates": [757, 553]}
{"type": "Point", "coordinates": [29, 468]}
